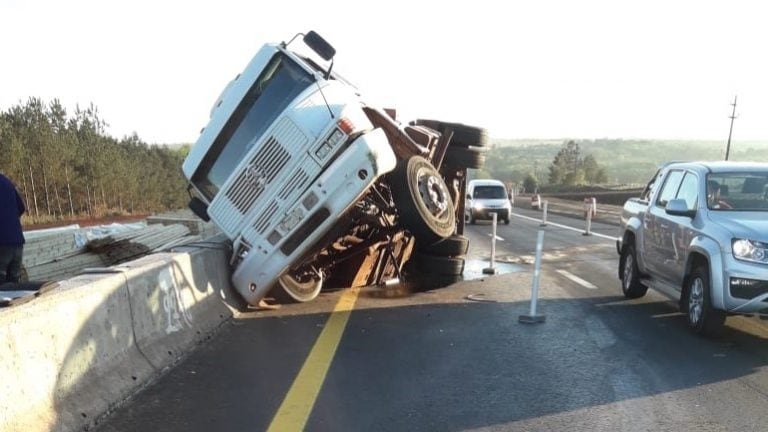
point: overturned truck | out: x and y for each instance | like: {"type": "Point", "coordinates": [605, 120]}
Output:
{"type": "Point", "coordinates": [317, 188]}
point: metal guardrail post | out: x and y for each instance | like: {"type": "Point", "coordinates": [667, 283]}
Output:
{"type": "Point", "coordinates": [544, 214]}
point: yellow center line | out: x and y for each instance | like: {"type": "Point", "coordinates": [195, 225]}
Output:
{"type": "Point", "coordinates": [297, 405]}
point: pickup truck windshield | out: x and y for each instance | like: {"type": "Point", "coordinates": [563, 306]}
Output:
{"type": "Point", "coordinates": [742, 191]}
{"type": "Point", "coordinates": [277, 86]}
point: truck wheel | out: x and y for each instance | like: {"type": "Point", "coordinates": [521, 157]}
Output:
{"type": "Point", "coordinates": [454, 245]}
{"type": "Point", "coordinates": [461, 157]}
{"type": "Point", "coordinates": [630, 276]}
{"type": "Point", "coordinates": [302, 288]}
{"type": "Point", "coordinates": [423, 200]}
{"type": "Point", "coordinates": [702, 318]}
{"type": "Point", "coordinates": [434, 265]}
{"type": "Point", "coordinates": [463, 135]}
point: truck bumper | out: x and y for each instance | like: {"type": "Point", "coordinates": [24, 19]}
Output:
{"type": "Point", "coordinates": [341, 185]}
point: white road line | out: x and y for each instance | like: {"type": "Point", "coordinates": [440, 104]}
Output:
{"type": "Point", "coordinates": [566, 227]}
{"type": "Point", "coordinates": [576, 279]}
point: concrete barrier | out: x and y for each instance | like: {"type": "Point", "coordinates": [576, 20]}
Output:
{"type": "Point", "coordinates": [168, 301]}
{"type": "Point", "coordinates": [72, 354]}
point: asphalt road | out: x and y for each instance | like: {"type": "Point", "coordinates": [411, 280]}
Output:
{"type": "Point", "coordinates": [438, 361]}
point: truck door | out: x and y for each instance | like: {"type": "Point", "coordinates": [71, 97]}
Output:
{"type": "Point", "coordinates": [680, 230]}
{"type": "Point", "coordinates": [657, 241]}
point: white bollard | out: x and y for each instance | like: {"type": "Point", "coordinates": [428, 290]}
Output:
{"type": "Point", "coordinates": [544, 214]}
{"type": "Point", "coordinates": [532, 317]}
{"type": "Point", "coordinates": [492, 269]}
{"type": "Point", "coordinates": [590, 208]}
{"type": "Point", "coordinates": [588, 230]}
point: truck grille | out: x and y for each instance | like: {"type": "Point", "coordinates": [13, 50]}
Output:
{"type": "Point", "coordinates": [262, 223]}
{"type": "Point", "coordinates": [296, 182]}
{"type": "Point", "coordinates": [257, 175]}
{"type": "Point", "coordinates": [262, 183]}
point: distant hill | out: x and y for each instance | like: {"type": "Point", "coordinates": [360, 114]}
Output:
{"type": "Point", "coordinates": [626, 161]}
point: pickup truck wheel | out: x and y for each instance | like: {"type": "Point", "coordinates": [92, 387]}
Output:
{"type": "Point", "coordinates": [630, 277]}
{"type": "Point", "coordinates": [702, 318]}
{"type": "Point", "coordinates": [423, 200]}
{"type": "Point", "coordinates": [301, 288]}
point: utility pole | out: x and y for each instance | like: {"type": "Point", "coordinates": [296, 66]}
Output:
{"type": "Point", "coordinates": [733, 116]}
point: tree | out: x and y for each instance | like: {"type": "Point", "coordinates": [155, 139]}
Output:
{"type": "Point", "coordinates": [567, 160]}
{"type": "Point", "coordinates": [530, 184]}
{"type": "Point", "coordinates": [570, 169]}
{"type": "Point", "coordinates": [67, 166]}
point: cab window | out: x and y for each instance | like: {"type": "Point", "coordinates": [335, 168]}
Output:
{"type": "Point", "coordinates": [689, 190]}
{"type": "Point", "coordinates": [669, 190]}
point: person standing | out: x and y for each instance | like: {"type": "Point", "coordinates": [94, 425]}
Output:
{"type": "Point", "coordinates": [11, 235]}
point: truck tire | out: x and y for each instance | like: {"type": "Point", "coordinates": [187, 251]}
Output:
{"type": "Point", "coordinates": [460, 157]}
{"type": "Point", "coordinates": [630, 274]}
{"type": "Point", "coordinates": [463, 135]}
{"type": "Point", "coordinates": [301, 290]}
{"type": "Point", "coordinates": [433, 265]}
{"type": "Point", "coordinates": [701, 317]}
{"type": "Point", "coordinates": [423, 200]}
{"type": "Point", "coordinates": [452, 246]}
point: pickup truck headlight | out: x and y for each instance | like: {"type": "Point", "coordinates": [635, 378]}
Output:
{"type": "Point", "coordinates": [750, 250]}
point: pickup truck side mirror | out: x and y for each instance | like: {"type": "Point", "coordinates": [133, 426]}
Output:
{"type": "Point", "coordinates": [469, 197]}
{"type": "Point", "coordinates": [678, 207]}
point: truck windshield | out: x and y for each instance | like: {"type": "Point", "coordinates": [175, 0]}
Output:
{"type": "Point", "coordinates": [277, 86]}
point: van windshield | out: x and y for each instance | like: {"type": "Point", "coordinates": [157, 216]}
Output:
{"type": "Point", "coordinates": [281, 81]}
{"type": "Point", "coordinates": [489, 192]}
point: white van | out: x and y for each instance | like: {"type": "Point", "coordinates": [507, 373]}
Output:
{"type": "Point", "coordinates": [485, 197]}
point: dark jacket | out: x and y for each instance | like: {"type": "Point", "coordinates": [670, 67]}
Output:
{"type": "Point", "coordinates": [11, 209]}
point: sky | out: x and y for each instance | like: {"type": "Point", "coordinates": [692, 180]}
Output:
{"type": "Point", "coordinates": [541, 69]}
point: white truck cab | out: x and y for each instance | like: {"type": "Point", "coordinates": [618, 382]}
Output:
{"type": "Point", "coordinates": [302, 175]}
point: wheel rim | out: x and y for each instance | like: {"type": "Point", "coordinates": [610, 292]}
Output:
{"type": "Point", "coordinates": [628, 271]}
{"type": "Point", "coordinates": [696, 301]}
{"type": "Point", "coordinates": [433, 193]}
{"type": "Point", "coordinates": [301, 291]}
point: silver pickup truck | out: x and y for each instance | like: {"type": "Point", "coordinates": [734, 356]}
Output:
{"type": "Point", "coordinates": [699, 234]}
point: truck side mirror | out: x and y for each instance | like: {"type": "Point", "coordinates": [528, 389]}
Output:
{"type": "Point", "coordinates": [469, 197]}
{"type": "Point", "coordinates": [678, 207]}
{"type": "Point", "coordinates": [319, 45]}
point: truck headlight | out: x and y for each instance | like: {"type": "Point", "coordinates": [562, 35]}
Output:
{"type": "Point", "coordinates": [750, 250]}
